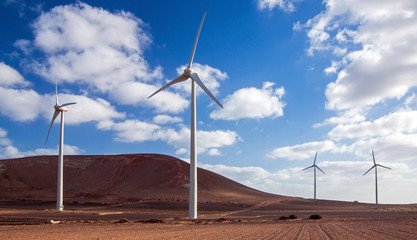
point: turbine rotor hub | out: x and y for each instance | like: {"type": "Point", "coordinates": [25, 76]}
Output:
{"type": "Point", "coordinates": [189, 71]}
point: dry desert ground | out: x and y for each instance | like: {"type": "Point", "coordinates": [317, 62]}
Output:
{"type": "Point", "coordinates": [167, 220]}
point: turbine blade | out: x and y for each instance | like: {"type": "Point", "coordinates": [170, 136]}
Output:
{"type": "Point", "coordinates": [373, 156]}
{"type": "Point", "coordinates": [56, 93]}
{"type": "Point", "coordinates": [56, 113]}
{"type": "Point", "coordinates": [66, 104]}
{"type": "Point", "coordinates": [369, 170]}
{"type": "Point", "coordinates": [315, 158]}
{"type": "Point", "coordinates": [180, 78]}
{"type": "Point", "coordinates": [196, 79]}
{"type": "Point", "coordinates": [383, 166]}
{"type": "Point", "coordinates": [307, 167]}
{"type": "Point", "coordinates": [320, 169]}
{"type": "Point", "coordinates": [195, 41]}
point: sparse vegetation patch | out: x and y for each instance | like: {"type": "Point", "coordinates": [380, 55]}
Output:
{"type": "Point", "coordinates": [153, 220]}
{"type": "Point", "coordinates": [316, 216]}
{"type": "Point", "coordinates": [292, 216]}
{"type": "Point", "coordinates": [402, 209]}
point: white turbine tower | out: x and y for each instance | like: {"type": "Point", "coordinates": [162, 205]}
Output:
{"type": "Point", "coordinates": [60, 185]}
{"type": "Point", "coordinates": [190, 73]}
{"type": "Point", "coordinates": [314, 166]}
{"type": "Point", "coordinates": [376, 175]}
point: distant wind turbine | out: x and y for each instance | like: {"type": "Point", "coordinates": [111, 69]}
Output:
{"type": "Point", "coordinates": [314, 166]}
{"type": "Point", "coordinates": [376, 175]}
{"type": "Point", "coordinates": [60, 185]}
{"type": "Point", "coordinates": [190, 73]}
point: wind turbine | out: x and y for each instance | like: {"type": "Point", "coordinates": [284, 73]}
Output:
{"type": "Point", "coordinates": [376, 175]}
{"type": "Point", "coordinates": [60, 185]}
{"type": "Point", "coordinates": [314, 166]}
{"type": "Point", "coordinates": [190, 73]}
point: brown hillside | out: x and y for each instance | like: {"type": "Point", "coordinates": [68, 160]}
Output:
{"type": "Point", "coordinates": [116, 178]}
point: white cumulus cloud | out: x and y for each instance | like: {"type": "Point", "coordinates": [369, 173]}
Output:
{"type": "Point", "coordinates": [93, 47]}
{"type": "Point", "coordinates": [9, 77]}
{"type": "Point", "coordinates": [354, 115]}
{"type": "Point", "coordinates": [252, 103]}
{"type": "Point", "coordinates": [20, 104]}
{"type": "Point", "coordinates": [137, 93]}
{"type": "Point", "coordinates": [140, 131]}
{"type": "Point", "coordinates": [285, 5]}
{"type": "Point", "coordinates": [8, 150]}
{"type": "Point", "coordinates": [23, 104]}
{"type": "Point", "coordinates": [86, 110]}
{"type": "Point", "coordinates": [396, 122]}
{"type": "Point", "coordinates": [28, 105]}
{"type": "Point", "coordinates": [302, 151]}
{"type": "Point", "coordinates": [379, 57]}
{"type": "Point", "coordinates": [164, 119]}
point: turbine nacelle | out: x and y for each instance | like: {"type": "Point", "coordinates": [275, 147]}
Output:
{"type": "Point", "coordinates": [60, 109]}
{"type": "Point", "coordinates": [314, 165]}
{"type": "Point", "coordinates": [375, 164]}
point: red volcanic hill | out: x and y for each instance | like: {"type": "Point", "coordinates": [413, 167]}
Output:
{"type": "Point", "coordinates": [116, 178]}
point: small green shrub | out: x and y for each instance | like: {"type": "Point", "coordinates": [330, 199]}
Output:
{"type": "Point", "coordinates": [123, 220]}
{"type": "Point", "coordinates": [292, 216]}
{"type": "Point", "coordinates": [316, 216]}
{"type": "Point", "coordinates": [283, 218]}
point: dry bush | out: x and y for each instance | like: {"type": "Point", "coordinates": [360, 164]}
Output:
{"type": "Point", "coordinates": [402, 209]}
{"type": "Point", "coordinates": [153, 220]}
{"type": "Point", "coordinates": [316, 216]}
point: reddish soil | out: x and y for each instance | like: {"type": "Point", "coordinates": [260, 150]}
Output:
{"type": "Point", "coordinates": [166, 220]}
{"type": "Point", "coordinates": [150, 193]}
{"type": "Point", "coordinates": [115, 179]}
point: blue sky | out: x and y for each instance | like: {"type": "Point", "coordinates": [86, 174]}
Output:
{"type": "Point", "coordinates": [294, 77]}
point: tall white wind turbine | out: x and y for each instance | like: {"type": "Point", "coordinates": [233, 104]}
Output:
{"type": "Point", "coordinates": [376, 175]}
{"type": "Point", "coordinates": [315, 167]}
{"type": "Point", "coordinates": [60, 185]}
{"type": "Point", "coordinates": [190, 73]}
